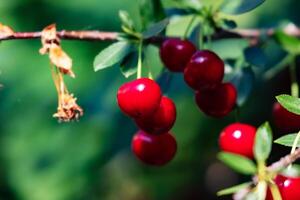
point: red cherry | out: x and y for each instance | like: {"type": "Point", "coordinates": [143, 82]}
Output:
{"type": "Point", "coordinates": [288, 187]}
{"type": "Point", "coordinates": [204, 70]}
{"type": "Point", "coordinates": [154, 149]}
{"type": "Point", "coordinates": [139, 98]}
{"type": "Point", "coordinates": [217, 102]}
{"type": "Point", "coordinates": [162, 120]}
{"type": "Point", "coordinates": [238, 138]}
{"type": "Point", "coordinates": [176, 53]}
{"type": "Point", "coordinates": [284, 120]}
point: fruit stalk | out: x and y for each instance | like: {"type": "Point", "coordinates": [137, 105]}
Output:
{"type": "Point", "coordinates": [139, 64]}
{"type": "Point", "coordinates": [189, 26]}
{"type": "Point", "coordinates": [295, 144]}
{"type": "Point", "coordinates": [293, 75]}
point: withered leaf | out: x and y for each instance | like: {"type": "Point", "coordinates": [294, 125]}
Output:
{"type": "Point", "coordinates": [5, 31]}
{"type": "Point", "coordinates": [59, 58]}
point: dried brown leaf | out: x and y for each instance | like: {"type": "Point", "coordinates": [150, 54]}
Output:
{"type": "Point", "coordinates": [5, 31]}
{"type": "Point", "coordinates": [60, 59]}
{"type": "Point", "coordinates": [49, 38]}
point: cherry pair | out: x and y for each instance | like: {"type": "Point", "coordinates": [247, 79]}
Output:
{"type": "Point", "coordinates": [155, 115]}
{"type": "Point", "coordinates": [203, 71]}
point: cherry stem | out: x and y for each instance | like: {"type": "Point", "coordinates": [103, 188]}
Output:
{"type": "Point", "coordinates": [201, 40]}
{"type": "Point", "coordinates": [150, 76]}
{"type": "Point", "coordinates": [54, 77]}
{"type": "Point", "coordinates": [275, 192]}
{"type": "Point", "coordinates": [293, 75]}
{"type": "Point", "coordinates": [295, 93]}
{"type": "Point", "coordinates": [168, 82]}
{"type": "Point", "coordinates": [295, 144]}
{"type": "Point", "coordinates": [139, 64]}
{"type": "Point", "coordinates": [206, 34]}
{"type": "Point", "coordinates": [189, 26]}
{"type": "Point", "coordinates": [261, 170]}
{"type": "Point", "coordinates": [209, 45]}
{"type": "Point", "coordinates": [237, 113]}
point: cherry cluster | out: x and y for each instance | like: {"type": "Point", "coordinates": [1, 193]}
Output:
{"type": "Point", "coordinates": [239, 138]}
{"type": "Point", "coordinates": [203, 71]}
{"type": "Point", "coordinates": [155, 115]}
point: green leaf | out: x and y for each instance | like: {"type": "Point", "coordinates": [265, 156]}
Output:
{"type": "Point", "coordinates": [287, 140]}
{"type": "Point", "coordinates": [126, 20]}
{"type": "Point", "coordinates": [255, 56]}
{"type": "Point", "coordinates": [155, 29]}
{"type": "Point", "coordinates": [158, 10]}
{"type": "Point", "coordinates": [197, 5]}
{"type": "Point", "coordinates": [263, 142]}
{"type": "Point", "coordinates": [278, 66]}
{"type": "Point", "coordinates": [129, 64]}
{"type": "Point", "coordinates": [128, 25]}
{"type": "Point", "coordinates": [112, 55]}
{"type": "Point", "coordinates": [236, 47]}
{"type": "Point", "coordinates": [236, 7]}
{"type": "Point", "coordinates": [150, 11]}
{"type": "Point", "coordinates": [227, 24]}
{"type": "Point", "coordinates": [243, 80]}
{"type": "Point", "coordinates": [238, 163]}
{"type": "Point", "coordinates": [289, 43]}
{"type": "Point", "coordinates": [233, 189]}
{"type": "Point", "coordinates": [151, 61]}
{"type": "Point", "coordinates": [179, 11]}
{"type": "Point", "coordinates": [290, 103]}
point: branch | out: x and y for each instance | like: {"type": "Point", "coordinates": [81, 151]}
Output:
{"type": "Point", "coordinates": [241, 194]}
{"type": "Point", "coordinates": [275, 167]}
{"type": "Point", "coordinates": [68, 35]}
{"type": "Point", "coordinates": [285, 161]}
{"type": "Point", "coordinates": [93, 35]}
{"type": "Point", "coordinates": [291, 29]}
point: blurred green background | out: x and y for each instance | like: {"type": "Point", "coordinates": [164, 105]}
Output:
{"type": "Point", "coordinates": [41, 159]}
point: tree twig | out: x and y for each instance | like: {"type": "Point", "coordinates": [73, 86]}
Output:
{"type": "Point", "coordinates": [69, 35]}
{"type": "Point", "coordinates": [95, 35]}
{"type": "Point", "coordinates": [241, 194]}
{"type": "Point", "coordinates": [285, 161]}
{"type": "Point", "coordinates": [275, 167]}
